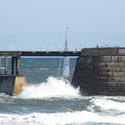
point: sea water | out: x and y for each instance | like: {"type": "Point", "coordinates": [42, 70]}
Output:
{"type": "Point", "coordinates": [47, 100]}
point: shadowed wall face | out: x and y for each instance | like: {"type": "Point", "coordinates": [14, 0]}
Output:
{"type": "Point", "coordinates": [7, 84]}
{"type": "Point", "coordinates": [100, 75]}
{"type": "Point", "coordinates": [12, 85]}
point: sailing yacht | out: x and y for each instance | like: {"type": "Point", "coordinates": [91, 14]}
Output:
{"type": "Point", "coordinates": [66, 62]}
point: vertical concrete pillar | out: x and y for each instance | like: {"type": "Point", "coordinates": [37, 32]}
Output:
{"type": "Point", "coordinates": [0, 65]}
{"type": "Point", "coordinates": [6, 64]}
{"type": "Point", "coordinates": [17, 65]}
{"type": "Point", "coordinates": [12, 65]}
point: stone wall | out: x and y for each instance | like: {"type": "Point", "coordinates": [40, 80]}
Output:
{"type": "Point", "coordinates": [99, 74]}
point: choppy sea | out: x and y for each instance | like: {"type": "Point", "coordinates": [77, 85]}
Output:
{"type": "Point", "coordinates": [47, 100]}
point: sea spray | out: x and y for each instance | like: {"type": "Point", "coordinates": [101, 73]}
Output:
{"type": "Point", "coordinates": [52, 88]}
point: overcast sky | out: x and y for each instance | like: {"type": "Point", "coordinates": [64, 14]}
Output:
{"type": "Point", "coordinates": [41, 24]}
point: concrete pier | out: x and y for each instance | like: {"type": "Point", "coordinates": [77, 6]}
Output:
{"type": "Point", "coordinates": [101, 71]}
{"type": "Point", "coordinates": [13, 83]}
{"type": "Point", "coordinates": [98, 71]}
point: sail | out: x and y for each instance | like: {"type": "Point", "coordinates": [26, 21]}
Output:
{"type": "Point", "coordinates": [66, 63]}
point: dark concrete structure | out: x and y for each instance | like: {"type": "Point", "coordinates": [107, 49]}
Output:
{"type": "Point", "coordinates": [39, 53]}
{"type": "Point", "coordinates": [50, 53]}
{"type": "Point", "coordinates": [7, 84]}
{"type": "Point", "coordinates": [101, 71]}
{"type": "Point", "coordinates": [11, 84]}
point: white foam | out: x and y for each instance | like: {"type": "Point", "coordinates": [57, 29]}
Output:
{"type": "Point", "coordinates": [59, 118]}
{"type": "Point", "coordinates": [52, 88]}
{"type": "Point", "coordinates": [107, 104]}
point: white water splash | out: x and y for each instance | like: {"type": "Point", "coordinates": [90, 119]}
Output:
{"type": "Point", "coordinates": [52, 88]}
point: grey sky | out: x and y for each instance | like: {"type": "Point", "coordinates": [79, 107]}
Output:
{"type": "Point", "coordinates": [40, 24]}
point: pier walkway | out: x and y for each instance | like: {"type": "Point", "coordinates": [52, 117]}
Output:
{"type": "Point", "coordinates": [39, 53]}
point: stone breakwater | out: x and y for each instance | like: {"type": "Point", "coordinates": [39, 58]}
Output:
{"type": "Point", "coordinates": [100, 71]}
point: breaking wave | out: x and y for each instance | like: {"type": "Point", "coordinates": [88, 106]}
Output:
{"type": "Point", "coordinates": [74, 118]}
{"type": "Point", "coordinates": [99, 110]}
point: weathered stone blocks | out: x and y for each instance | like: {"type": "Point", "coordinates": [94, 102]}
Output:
{"type": "Point", "coordinates": [100, 71]}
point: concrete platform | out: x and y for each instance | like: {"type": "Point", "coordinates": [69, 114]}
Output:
{"type": "Point", "coordinates": [11, 84]}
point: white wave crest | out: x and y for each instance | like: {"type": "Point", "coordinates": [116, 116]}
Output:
{"type": "Point", "coordinates": [74, 118]}
{"type": "Point", "coordinates": [52, 88]}
{"type": "Point", "coordinates": [107, 104]}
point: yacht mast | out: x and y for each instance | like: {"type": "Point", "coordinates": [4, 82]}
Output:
{"type": "Point", "coordinates": [66, 62]}
{"type": "Point", "coordinates": [66, 43]}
